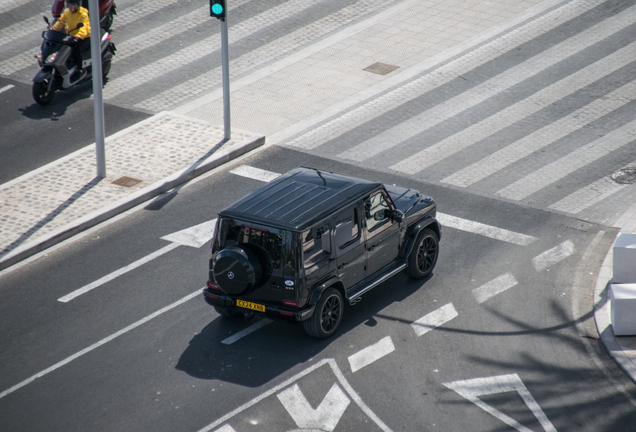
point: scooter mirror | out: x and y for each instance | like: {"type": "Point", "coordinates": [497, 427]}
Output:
{"type": "Point", "coordinates": [46, 20]}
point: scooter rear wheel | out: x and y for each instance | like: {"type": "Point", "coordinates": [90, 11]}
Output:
{"type": "Point", "coordinates": [41, 92]}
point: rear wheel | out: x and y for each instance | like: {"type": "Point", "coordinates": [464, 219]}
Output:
{"type": "Point", "coordinates": [105, 68]}
{"type": "Point", "coordinates": [327, 315]}
{"type": "Point", "coordinates": [423, 257]}
{"type": "Point", "coordinates": [43, 91]}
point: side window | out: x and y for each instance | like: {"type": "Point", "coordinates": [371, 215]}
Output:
{"type": "Point", "coordinates": [376, 210]}
{"type": "Point", "coordinates": [347, 228]}
{"type": "Point", "coordinates": [316, 244]}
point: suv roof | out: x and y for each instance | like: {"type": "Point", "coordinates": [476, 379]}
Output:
{"type": "Point", "coordinates": [298, 198]}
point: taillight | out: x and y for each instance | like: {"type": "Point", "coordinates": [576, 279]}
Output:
{"type": "Point", "coordinates": [213, 285]}
{"type": "Point", "coordinates": [291, 303]}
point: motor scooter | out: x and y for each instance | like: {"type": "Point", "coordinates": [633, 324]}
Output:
{"type": "Point", "coordinates": [107, 9]}
{"type": "Point", "coordinates": [58, 69]}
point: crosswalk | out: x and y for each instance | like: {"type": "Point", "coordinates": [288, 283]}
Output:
{"type": "Point", "coordinates": [530, 101]}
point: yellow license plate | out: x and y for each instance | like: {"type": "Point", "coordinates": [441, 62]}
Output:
{"type": "Point", "coordinates": [249, 305]}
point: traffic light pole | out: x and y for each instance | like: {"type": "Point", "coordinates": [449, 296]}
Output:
{"type": "Point", "coordinates": [98, 103]}
{"type": "Point", "coordinates": [225, 66]}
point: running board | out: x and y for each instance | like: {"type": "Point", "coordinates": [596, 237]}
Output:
{"type": "Point", "coordinates": [354, 298]}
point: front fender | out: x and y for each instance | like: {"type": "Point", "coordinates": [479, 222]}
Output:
{"type": "Point", "coordinates": [43, 75]}
{"type": "Point", "coordinates": [423, 224]}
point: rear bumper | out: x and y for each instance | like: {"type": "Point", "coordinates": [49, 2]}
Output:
{"type": "Point", "coordinates": [214, 298]}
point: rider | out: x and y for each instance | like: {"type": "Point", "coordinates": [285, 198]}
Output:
{"type": "Point", "coordinates": [73, 15]}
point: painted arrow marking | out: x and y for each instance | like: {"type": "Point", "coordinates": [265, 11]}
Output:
{"type": "Point", "coordinates": [325, 417]}
{"type": "Point", "coordinates": [473, 388]}
{"type": "Point", "coordinates": [195, 237]}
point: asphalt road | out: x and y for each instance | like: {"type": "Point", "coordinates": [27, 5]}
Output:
{"type": "Point", "coordinates": [34, 135]}
{"type": "Point", "coordinates": [173, 372]}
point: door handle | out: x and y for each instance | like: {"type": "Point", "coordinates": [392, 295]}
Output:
{"type": "Point", "coordinates": [371, 248]}
{"type": "Point", "coordinates": [341, 266]}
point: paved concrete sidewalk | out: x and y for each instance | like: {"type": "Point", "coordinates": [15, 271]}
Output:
{"type": "Point", "coordinates": [621, 348]}
{"type": "Point", "coordinates": [59, 200]}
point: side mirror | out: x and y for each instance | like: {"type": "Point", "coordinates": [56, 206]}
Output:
{"type": "Point", "coordinates": [46, 20]}
{"type": "Point", "coordinates": [397, 216]}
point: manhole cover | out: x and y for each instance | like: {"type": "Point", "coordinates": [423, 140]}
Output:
{"type": "Point", "coordinates": [580, 225]}
{"type": "Point", "coordinates": [381, 68]}
{"type": "Point", "coordinates": [625, 176]}
{"type": "Point", "coordinates": [126, 181]}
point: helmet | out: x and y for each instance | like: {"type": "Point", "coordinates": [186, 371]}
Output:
{"type": "Point", "coordinates": [75, 3]}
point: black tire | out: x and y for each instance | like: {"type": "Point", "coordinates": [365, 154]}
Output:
{"type": "Point", "coordinates": [327, 315]}
{"type": "Point", "coordinates": [39, 91]}
{"type": "Point", "coordinates": [423, 257]}
{"type": "Point", "coordinates": [106, 68]}
{"type": "Point", "coordinates": [225, 312]}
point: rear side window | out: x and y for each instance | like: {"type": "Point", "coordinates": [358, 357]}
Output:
{"type": "Point", "coordinates": [316, 244]}
{"type": "Point", "coordinates": [271, 240]}
{"type": "Point", "coordinates": [347, 228]}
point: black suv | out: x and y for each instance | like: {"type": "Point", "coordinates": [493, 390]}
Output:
{"type": "Point", "coordinates": [297, 247]}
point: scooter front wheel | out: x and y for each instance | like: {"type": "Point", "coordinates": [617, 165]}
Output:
{"type": "Point", "coordinates": [43, 91]}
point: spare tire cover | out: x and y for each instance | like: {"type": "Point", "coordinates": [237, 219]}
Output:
{"type": "Point", "coordinates": [237, 270]}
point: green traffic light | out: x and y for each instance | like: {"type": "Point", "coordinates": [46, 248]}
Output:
{"type": "Point", "coordinates": [217, 9]}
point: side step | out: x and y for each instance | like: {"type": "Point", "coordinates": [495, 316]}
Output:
{"type": "Point", "coordinates": [355, 291]}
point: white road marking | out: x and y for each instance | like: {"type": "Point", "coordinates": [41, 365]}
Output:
{"type": "Point", "coordinates": [434, 319]}
{"type": "Point", "coordinates": [226, 428]}
{"type": "Point", "coordinates": [255, 173]}
{"type": "Point", "coordinates": [588, 196]}
{"type": "Point", "coordinates": [100, 343]}
{"type": "Point", "coordinates": [7, 87]}
{"type": "Point", "coordinates": [371, 353]}
{"type": "Point", "coordinates": [109, 277]}
{"type": "Point", "coordinates": [325, 417]}
{"type": "Point", "coordinates": [568, 164]}
{"type": "Point", "coordinates": [482, 92]}
{"type": "Point", "coordinates": [548, 134]}
{"type": "Point", "coordinates": [195, 236]}
{"type": "Point", "coordinates": [251, 329]}
{"type": "Point", "coordinates": [485, 230]}
{"type": "Point", "coordinates": [494, 287]}
{"type": "Point", "coordinates": [341, 379]}
{"type": "Point", "coordinates": [473, 388]}
{"type": "Point", "coordinates": [553, 256]}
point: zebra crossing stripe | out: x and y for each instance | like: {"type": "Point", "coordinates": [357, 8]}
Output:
{"type": "Point", "coordinates": [7, 5]}
{"type": "Point", "coordinates": [570, 163]}
{"type": "Point", "coordinates": [443, 74]}
{"type": "Point", "coordinates": [531, 105]}
{"type": "Point", "coordinates": [371, 353]}
{"type": "Point", "coordinates": [494, 287]}
{"type": "Point", "coordinates": [434, 319]}
{"type": "Point", "coordinates": [396, 135]}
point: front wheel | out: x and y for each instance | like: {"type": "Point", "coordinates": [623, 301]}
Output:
{"type": "Point", "coordinates": [43, 91]}
{"type": "Point", "coordinates": [327, 315]}
{"type": "Point", "coordinates": [423, 257]}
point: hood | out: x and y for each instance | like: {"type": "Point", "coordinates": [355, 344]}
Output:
{"type": "Point", "coordinates": [403, 198]}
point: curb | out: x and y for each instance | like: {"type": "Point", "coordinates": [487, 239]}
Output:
{"type": "Point", "coordinates": [145, 194]}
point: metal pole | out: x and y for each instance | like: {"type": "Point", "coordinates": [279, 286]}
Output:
{"type": "Point", "coordinates": [98, 103]}
{"type": "Point", "coordinates": [225, 66]}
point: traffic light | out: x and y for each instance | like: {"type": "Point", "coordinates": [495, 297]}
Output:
{"type": "Point", "coordinates": [217, 9]}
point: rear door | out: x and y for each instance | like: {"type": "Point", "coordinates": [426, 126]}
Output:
{"type": "Point", "coordinates": [349, 247]}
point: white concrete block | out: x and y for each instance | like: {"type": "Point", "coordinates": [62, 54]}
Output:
{"type": "Point", "coordinates": [625, 259]}
{"type": "Point", "coordinates": [623, 309]}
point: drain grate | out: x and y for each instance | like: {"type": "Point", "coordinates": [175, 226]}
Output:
{"type": "Point", "coordinates": [580, 225]}
{"type": "Point", "coordinates": [126, 181]}
{"type": "Point", "coordinates": [381, 68]}
{"type": "Point", "coordinates": [625, 176]}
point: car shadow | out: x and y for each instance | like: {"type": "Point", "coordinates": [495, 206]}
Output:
{"type": "Point", "coordinates": [260, 357]}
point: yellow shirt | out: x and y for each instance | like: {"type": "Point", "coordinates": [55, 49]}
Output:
{"type": "Point", "coordinates": [70, 20]}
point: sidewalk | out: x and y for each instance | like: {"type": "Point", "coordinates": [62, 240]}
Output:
{"type": "Point", "coordinates": [621, 348]}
